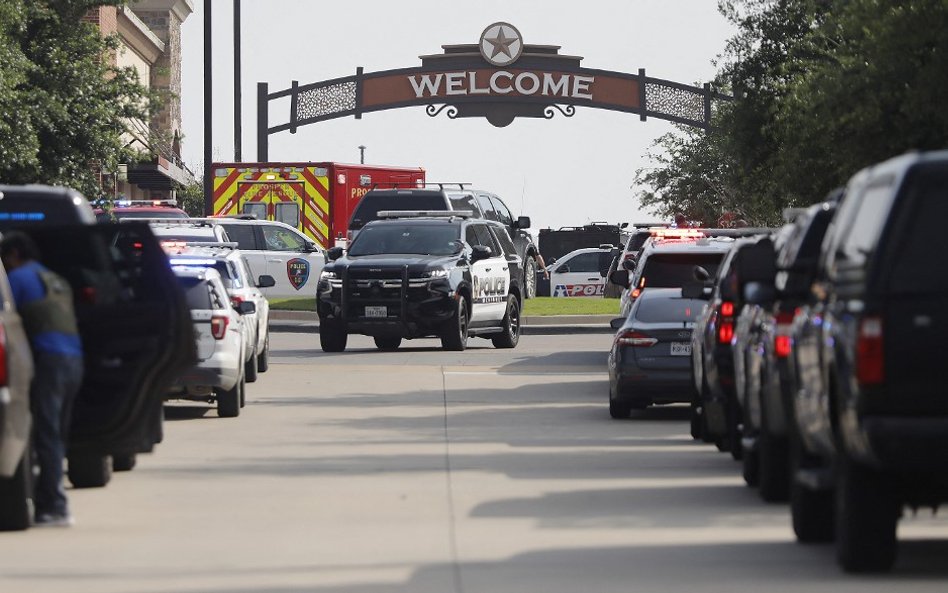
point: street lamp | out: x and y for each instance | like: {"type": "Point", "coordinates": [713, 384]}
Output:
{"type": "Point", "coordinates": [361, 154]}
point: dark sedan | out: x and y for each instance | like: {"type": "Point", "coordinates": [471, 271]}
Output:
{"type": "Point", "coordinates": [650, 360]}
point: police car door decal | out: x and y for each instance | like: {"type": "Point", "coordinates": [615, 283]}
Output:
{"type": "Point", "coordinates": [491, 280]}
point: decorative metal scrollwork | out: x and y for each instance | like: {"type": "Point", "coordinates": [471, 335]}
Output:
{"type": "Point", "coordinates": [327, 100]}
{"type": "Point", "coordinates": [568, 111]}
{"type": "Point", "coordinates": [673, 101]}
{"type": "Point", "coordinates": [435, 110]}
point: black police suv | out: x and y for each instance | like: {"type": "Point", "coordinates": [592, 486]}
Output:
{"type": "Point", "coordinates": [440, 274]}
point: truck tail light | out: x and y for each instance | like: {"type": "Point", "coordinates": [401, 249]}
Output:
{"type": "Point", "coordinates": [219, 326]}
{"type": "Point", "coordinates": [870, 363]}
{"type": "Point", "coordinates": [630, 337]}
{"type": "Point", "coordinates": [726, 327]}
{"type": "Point", "coordinates": [4, 374]}
{"type": "Point", "coordinates": [783, 345]}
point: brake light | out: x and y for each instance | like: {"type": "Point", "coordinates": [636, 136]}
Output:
{"type": "Point", "coordinates": [635, 293]}
{"type": "Point", "coordinates": [782, 346]}
{"type": "Point", "coordinates": [870, 364]}
{"type": "Point", "coordinates": [630, 337]}
{"type": "Point", "coordinates": [726, 327]}
{"type": "Point", "coordinates": [4, 375]}
{"type": "Point", "coordinates": [219, 326]}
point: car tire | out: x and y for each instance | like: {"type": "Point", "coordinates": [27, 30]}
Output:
{"type": "Point", "coordinates": [619, 411]}
{"type": "Point", "coordinates": [124, 462]}
{"type": "Point", "coordinates": [774, 472]}
{"type": "Point", "coordinates": [750, 467]}
{"type": "Point", "coordinates": [867, 515]}
{"type": "Point", "coordinates": [530, 277]}
{"type": "Point", "coordinates": [250, 368]}
{"type": "Point", "coordinates": [511, 323]}
{"type": "Point", "coordinates": [89, 471]}
{"type": "Point", "coordinates": [16, 496]}
{"type": "Point", "coordinates": [388, 343]}
{"type": "Point", "coordinates": [696, 423]}
{"type": "Point", "coordinates": [454, 333]}
{"type": "Point", "coordinates": [812, 511]}
{"type": "Point", "coordinates": [228, 400]}
{"type": "Point", "coordinates": [263, 359]}
{"type": "Point", "coordinates": [332, 337]}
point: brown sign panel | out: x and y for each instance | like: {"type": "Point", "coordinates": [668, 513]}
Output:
{"type": "Point", "coordinates": [580, 87]}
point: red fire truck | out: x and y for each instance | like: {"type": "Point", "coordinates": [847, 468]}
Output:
{"type": "Point", "coordinates": [316, 198]}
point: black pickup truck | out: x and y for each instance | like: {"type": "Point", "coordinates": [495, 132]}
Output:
{"type": "Point", "coordinates": [871, 409]}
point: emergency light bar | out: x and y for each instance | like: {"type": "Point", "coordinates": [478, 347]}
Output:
{"type": "Point", "coordinates": [425, 214]}
{"type": "Point", "coordinates": [175, 221]}
{"type": "Point", "coordinates": [188, 261]}
{"type": "Point", "coordinates": [669, 233]}
{"type": "Point", "coordinates": [146, 202]}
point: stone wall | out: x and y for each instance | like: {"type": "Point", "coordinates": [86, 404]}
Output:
{"type": "Point", "coordinates": [166, 72]}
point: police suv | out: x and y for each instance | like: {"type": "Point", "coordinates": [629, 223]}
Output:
{"type": "Point", "coordinates": [413, 274]}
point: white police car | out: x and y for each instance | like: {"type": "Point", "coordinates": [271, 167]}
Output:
{"type": "Point", "coordinates": [581, 273]}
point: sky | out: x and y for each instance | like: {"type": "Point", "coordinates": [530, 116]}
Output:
{"type": "Point", "coordinates": [560, 172]}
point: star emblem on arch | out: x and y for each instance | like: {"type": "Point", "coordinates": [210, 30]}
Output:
{"type": "Point", "coordinates": [501, 44]}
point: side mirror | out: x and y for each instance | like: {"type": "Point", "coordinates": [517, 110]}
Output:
{"type": "Point", "coordinates": [552, 261]}
{"type": "Point", "coordinates": [310, 248]}
{"type": "Point", "coordinates": [246, 307]}
{"type": "Point", "coordinates": [628, 264]}
{"type": "Point", "coordinates": [265, 281]}
{"type": "Point", "coordinates": [701, 274]}
{"type": "Point", "coordinates": [523, 222]}
{"type": "Point", "coordinates": [696, 290]}
{"type": "Point", "coordinates": [334, 253]}
{"type": "Point", "coordinates": [617, 322]}
{"type": "Point", "coordinates": [480, 252]}
{"type": "Point", "coordinates": [759, 293]}
{"type": "Point", "coordinates": [620, 278]}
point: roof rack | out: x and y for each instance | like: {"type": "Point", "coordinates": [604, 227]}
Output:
{"type": "Point", "coordinates": [648, 225]}
{"type": "Point", "coordinates": [425, 214]}
{"type": "Point", "coordinates": [420, 184]}
{"type": "Point", "coordinates": [244, 216]}
{"type": "Point", "coordinates": [213, 244]}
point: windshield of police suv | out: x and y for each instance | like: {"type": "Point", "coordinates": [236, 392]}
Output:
{"type": "Point", "coordinates": [372, 203]}
{"type": "Point", "coordinates": [420, 239]}
{"type": "Point", "coordinates": [674, 270]}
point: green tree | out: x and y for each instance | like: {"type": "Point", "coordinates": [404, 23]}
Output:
{"type": "Point", "coordinates": [63, 102]}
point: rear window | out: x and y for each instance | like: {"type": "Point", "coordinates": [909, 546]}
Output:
{"type": "Point", "coordinates": [370, 205]}
{"type": "Point", "coordinates": [663, 308]}
{"type": "Point", "coordinates": [674, 270]}
{"type": "Point", "coordinates": [196, 293]}
{"type": "Point", "coordinates": [920, 226]}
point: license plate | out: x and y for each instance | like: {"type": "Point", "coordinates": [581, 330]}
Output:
{"type": "Point", "coordinates": [376, 311]}
{"type": "Point", "coordinates": [681, 349]}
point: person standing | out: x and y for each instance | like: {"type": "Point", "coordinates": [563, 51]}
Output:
{"type": "Point", "coordinates": [44, 302]}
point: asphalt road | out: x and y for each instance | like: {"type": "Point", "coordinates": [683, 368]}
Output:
{"type": "Point", "coordinates": [425, 471]}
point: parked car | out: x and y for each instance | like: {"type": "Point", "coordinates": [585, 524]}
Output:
{"type": "Point", "coordinates": [133, 321]}
{"type": "Point", "coordinates": [16, 372]}
{"type": "Point", "coordinates": [871, 410]}
{"type": "Point", "coordinates": [221, 337]}
{"type": "Point", "coordinates": [766, 386]}
{"type": "Point", "coordinates": [716, 414]}
{"type": "Point", "coordinates": [581, 273]}
{"type": "Point", "coordinates": [280, 251]}
{"type": "Point", "coordinates": [241, 287]}
{"type": "Point", "coordinates": [442, 197]}
{"type": "Point", "coordinates": [650, 359]}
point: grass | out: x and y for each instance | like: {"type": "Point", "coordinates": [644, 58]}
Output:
{"type": "Point", "coordinates": [540, 306]}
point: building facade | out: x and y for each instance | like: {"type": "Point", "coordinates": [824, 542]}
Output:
{"type": "Point", "coordinates": [150, 36]}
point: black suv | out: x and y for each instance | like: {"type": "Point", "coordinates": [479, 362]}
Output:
{"type": "Point", "coordinates": [448, 276]}
{"type": "Point", "coordinates": [871, 408]}
{"type": "Point", "coordinates": [134, 323]}
{"type": "Point", "coordinates": [440, 197]}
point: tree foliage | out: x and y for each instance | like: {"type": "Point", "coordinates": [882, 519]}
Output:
{"type": "Point", "coordinates": [822, 88]}
{"type": "Point", "coordinates": [63, 101]}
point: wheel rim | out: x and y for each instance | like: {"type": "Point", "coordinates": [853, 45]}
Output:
{"type": "Point", "coordinates": [531, 277]}
{"type": "Point", "coordinates": [462, 322]}
{"type": "Point", "coordinates": [514, 318]}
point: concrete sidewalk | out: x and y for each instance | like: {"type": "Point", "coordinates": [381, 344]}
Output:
{"type": "Point", "coordinates": [308, 322]}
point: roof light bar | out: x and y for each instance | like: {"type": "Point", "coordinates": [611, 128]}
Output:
{"type": "Point", "coordinates": [425, 214]}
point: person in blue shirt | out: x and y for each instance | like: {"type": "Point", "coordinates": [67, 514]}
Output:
{"type": "Point", "coordinates": [44, 302]}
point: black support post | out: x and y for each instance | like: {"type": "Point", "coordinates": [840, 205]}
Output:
{"type": "Point", "coordinates": [263, 122]}
{"type": "Point", "coordinates": [642, 96]}
{"type": "Point", "coordinates": [294, 104]}
{"type": "Point", "coordinates": [707, 105]}
{"type": "Point", "coordinates": [238, 130]}
{"type": "Point", "coordinates": [208, 115]}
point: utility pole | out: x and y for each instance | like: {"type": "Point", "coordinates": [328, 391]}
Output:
{"type": "Point", "coordinates": [237, 96]}
{"type": "Point", "coordinates": [361, 154]}
{"type": "Point", "coordinates": [208, 114]}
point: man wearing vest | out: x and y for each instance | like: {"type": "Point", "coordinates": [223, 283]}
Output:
{"type": "Point", "coordinates": [44, 301]}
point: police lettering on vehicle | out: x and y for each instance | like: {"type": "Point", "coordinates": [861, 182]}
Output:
{"type": "Point", "coordinates": [297, 270]}
{"type": "Point", "coordinates": [492, 289]}
{"type": "Point", "coordinates": [578, 290]}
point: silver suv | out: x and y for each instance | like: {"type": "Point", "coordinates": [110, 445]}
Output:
{"type": "Point", "coordinates": [241, 286]}
{"type": "Point", "coordinates": [220, 332]}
